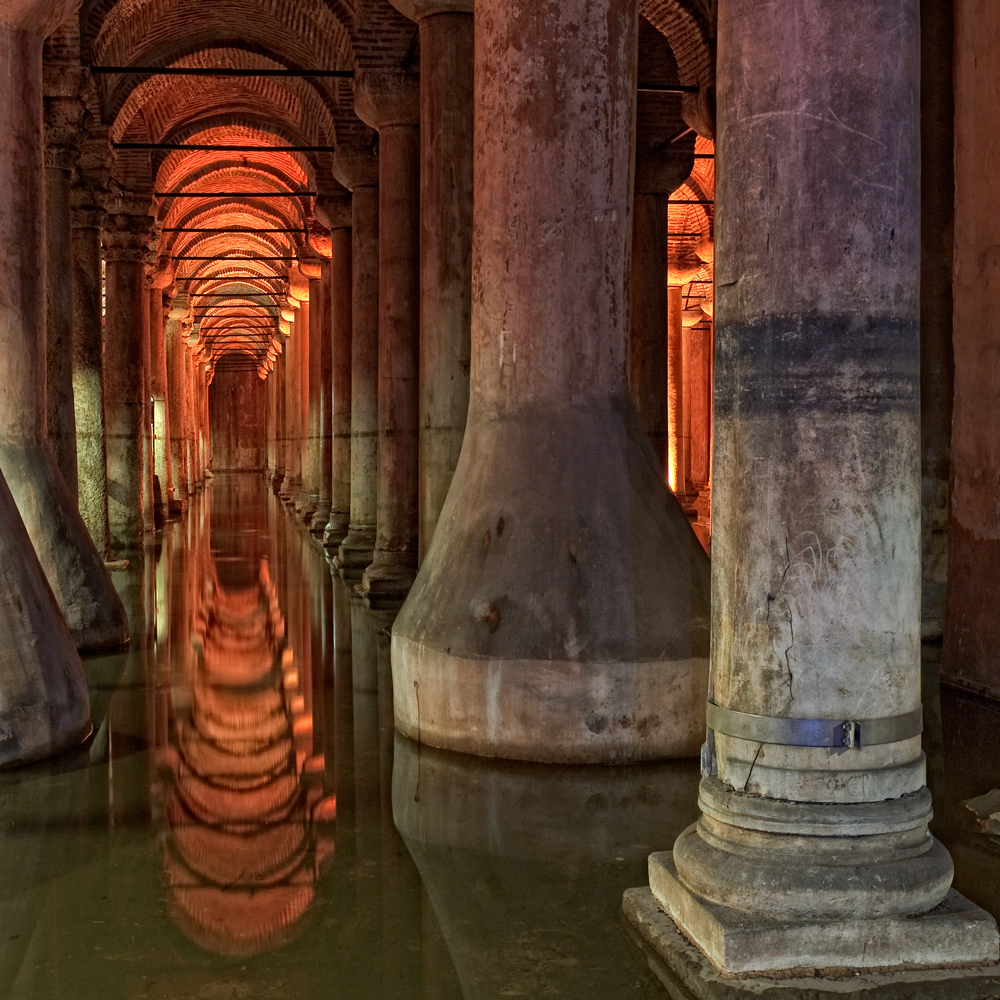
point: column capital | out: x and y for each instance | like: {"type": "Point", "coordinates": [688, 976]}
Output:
{"type": "Point", "coordinates": [383, 98]}
{"type": "Point", "coordinates": [86, 197]}
{"type": "Point", "coordinates": [64, 129]}
{"type": "Point", "coordinates": [334, 210]}
{"type": "Point", "coordinates": [416, 10]}
{"type": "Point", "coordinates": [355, 165]}
{"type": "Point", "coordinates": [128, 238]}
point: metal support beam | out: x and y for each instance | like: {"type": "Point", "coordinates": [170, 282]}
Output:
{"type": "Point", "coordinates": [220, 71]}
{"type": "Point", "coordinates": [234, 194]}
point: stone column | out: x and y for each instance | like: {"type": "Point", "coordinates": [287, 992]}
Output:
{"type": "Point", "coordinates": [390, 103]}
{"type": "Point", "coordinates": [360, 174]}
{"type": "Point", "coordinates": [88, 366]}
{"type": "Point", "coordinates": [446, 37]}
{"type": "Point", "coordinates": [72, 565]}
{"type": "Point", "coordinates": [561, 613]}
{"type": "Point", "coordinates": [62, 125]}
{"type": "Point", "coordinates": [662, 163]}
{"type": "Point", "coordinates": [149, 511]}
{"type": "Point", "coordinates": [324, 362]}
{"type": "Point", "coordinates": [280, 368]}
{"type": "Point", "coordinates": [813, 848]}
{"type": "Point", "coordinates": [313, 442]}
{"type": "Point", "coordinates": [43, 689]}
{"type": "Point", "coordinates": [175, 337]}
{"type": "Point", "coordinates": [161, 412]}
{"type": "Point", "coordinates": [302, 328]}
{"type": "Point", "coordinates": [676, 456]}
{"type": "Point", "coordinates": [340, 293]}
{"type": "Point", "coordinates": [126, 356]}
{"type": "Point", "coordinates": [293, 408]}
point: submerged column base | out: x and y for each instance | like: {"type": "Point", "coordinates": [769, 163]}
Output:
{"type": "Point", "coordinates": [547, 710]}
{"type": "Point", "coordinates": [337, 527]}
{"type": "Point", "coordinates": [731, 944]}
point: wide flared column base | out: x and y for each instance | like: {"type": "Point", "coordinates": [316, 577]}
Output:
{"type": "Point", "coordinates": [955, 933]}
{"type": "Point", "coordinates": [73, 567]}
{"type": "Point", "coordinates": [355, 553]}
{"type": "Point", "coordinates": [548, 710]}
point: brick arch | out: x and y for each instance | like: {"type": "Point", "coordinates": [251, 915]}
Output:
{"type": "Point", "coordinates": [156, 32]}
{"type": "Point", "coordinates": [690, 27]}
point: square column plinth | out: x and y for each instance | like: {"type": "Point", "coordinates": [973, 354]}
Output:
{"type": "Point", "coordinates": [949, 953]}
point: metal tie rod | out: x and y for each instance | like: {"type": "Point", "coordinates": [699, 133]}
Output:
{"type": "Point", "coordinates": [234, 194]}
{"type": "Point", "coordinates": [667, 88]}
{"type": "Point", "coordinates": [235, 229]}
{"type": "Point", "coordinates": [220, 71]}
{"type": "Point", "coordinates": [220, 148]}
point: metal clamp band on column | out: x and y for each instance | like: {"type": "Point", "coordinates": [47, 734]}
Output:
{"type": "Point", "coordinates": [840, 733]}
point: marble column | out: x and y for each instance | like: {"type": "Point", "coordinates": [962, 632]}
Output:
{"type": "Point", "coordinates": [359, 173]}
{"type": "Point", "coordinates": [302, 330]}
{"type": "Point", "coordinates": [43, 689]}
{"type": "Point", "coordinates": [72, 565]}
{"type": "Point", "coordinates": [62, 128]}
{"type": "Point", "coordinates": [159, 397]}
{"type": "Point", "coordinates": [313, 451]}
{"type": "Point", "coordinates": [562, 612]}
{"type": "Point", "coordinates": [175, 336]}
{"type": "Point", "coordinates": [126, 359]}
{"type": "Point", "coordinates": [446, 45]}
{"type": "Point", "coordinates": [278, 375]}
{"type": "Point", "coordinates": [292, 482]}
{"type": "Point", "coordinates": [88, 365]}
{"type": "Point", "coordinates": [813, 849]}
{"type": "Point", "coordinates": [340, 294]}
{"type": "Point", "coordinates": [324, 361]}
{"type": "Point", "coordinates": [390, 103]}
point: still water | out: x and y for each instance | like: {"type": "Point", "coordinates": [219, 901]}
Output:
{"type": "Point", "coordinates": [244, 823]}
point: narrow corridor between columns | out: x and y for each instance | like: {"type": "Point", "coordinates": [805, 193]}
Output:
{"type": "Point", "coordinates": [244, 822]}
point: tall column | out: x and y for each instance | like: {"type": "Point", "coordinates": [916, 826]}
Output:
{"type": "Point", "coordinates": [88, 366]}
{"type": "Point", "coordinates": [43, 689]}
{"type": "Point", "coordinates": [280, 368]}
{"type": "Point", "coordinates": [302, 329]}
{"type": "Point", "coordinates": [561, 613]}
{"type": "Point", "coordinates": [813, 848]}
{"type": "Point", "coordinates": [313, 373]}
{"type": "Point", "coordinates": [159, 396]}
{"type": "Point", "coordinates": [62, 124]}
{"type": "Point", "coordinates": [676, 456]}
{"type": "Point", "coordinates": [72, 565]}
{"type": "Point", "coordinates": [323, 352]}
{"type": "Point", "coordinates": [361, 176]}
{"type": "Point", "coordinates": [663, 161]}
{"type": "Point", "coordinates": [340, 295]}
{"type": "Point", "coordinates": [390, 103]}
{"type": "Point", "coordinates": [446, 70]}
{"type": "Point", "coordinates": [150, 514]}
{"type": "Point", "coordinates": [126, 247]}
{"type": "Point", "coordinates": [175, 336]}
{"type": "Point", "coordinates": [292, 482]}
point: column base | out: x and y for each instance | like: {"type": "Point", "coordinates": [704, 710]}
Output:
{"type": "Point", "coordinates": [355, 553]}
{"type": "Point", "coordinates": [733, 943]}
{"type": "Point", "coordinates": [549, 710]}
{"type": "Point", "coordinates": [386, 583]}
{"type": "Point", "coordinates": [337, 528]}
{"type": "Point", "coordinates": [320, 519]}
{"type": "Point", "coordinates": [72, 565]}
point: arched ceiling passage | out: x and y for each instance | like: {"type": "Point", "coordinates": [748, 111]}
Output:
{"type": "Point", "coordinates": [238, 295]}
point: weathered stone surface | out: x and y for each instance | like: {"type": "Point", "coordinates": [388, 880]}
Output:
{"type": "Point", "coordinates": [564, 582]}
{"type": "Point", "coordinates": [44, 706]}
{"type": "Point", "coordinates": [687, 973]}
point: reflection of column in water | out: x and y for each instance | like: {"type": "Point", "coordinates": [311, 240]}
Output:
{"type": "Point", "coordinates": [402, 960]}
{"type": "Point", "coordinates": [523, 861]}
{"type": "Point", "coordinates": [364, 670]}
{"type": "Point", "coordinates": [342, 743]}
{"type": "Point", "coordinates": [247, 825]}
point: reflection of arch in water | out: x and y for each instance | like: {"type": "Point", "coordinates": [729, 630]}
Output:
{"type": "Point", "coordinates": [247, 821]}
